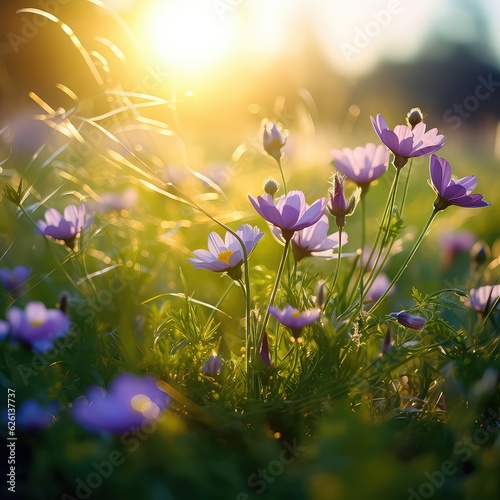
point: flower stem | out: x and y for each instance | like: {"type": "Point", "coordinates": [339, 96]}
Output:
{"type": "Point", "coordinates": [282, 175]}
{"type": "Point", "coordinates": [407, 260]}
{"type": "Point", "coordinates": [274, 290]}
{"type": "Point", "coordinates": [295, 363]}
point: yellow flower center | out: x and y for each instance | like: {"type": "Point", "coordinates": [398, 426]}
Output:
{"type": "Point", "coordinates": [225, 256]}
{"type": "Point", "coordinates": [296, 314]}
{"type": "Point", "coordinates": [36, 322]}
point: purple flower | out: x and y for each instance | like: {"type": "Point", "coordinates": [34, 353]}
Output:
{"type": "Point", "coordinates": [409, 321]}
{"type": "Point", "coordinates": [378, 287]}
{"type": "Point", "coordinates": [36, 417]}
{"type": "Point", "coordinates": [129, 402]}
{"type": "Point", "coordinates": [363, 164]}
{"type": "Point", "coordinates": [64, 227]}
{"type": "Point", "coordinates": [226, 255]}
{"type": "Point", "coordinates": [455, 242]}
{"type": "Point", "coordinates": [273, 140]}
{"type": "Point", "coordinates": [118, 202]}
{"type": "Point", "coordinates": [483, 298]}
{"type": "Point", "coordinates": [264, 351]}
{"type": "Point", "coordinates": [37, 325]}
{"type": "Point", "coordinates": [291, 212]}
{"type": "Point", "coordinates": [314, 241]}
{"type": "Point", "coordinates": [14, 279]}
{"type": "Point", "coordinates": [405, 142]}
{"type": "Point", "coordinates": [339, 207]}
{"type": "Point", "coordinates": [212, 366]}
{"type": "Point", "coordinates": [451, 192]}
{"type": "Point", "coordinates": [294, 319]}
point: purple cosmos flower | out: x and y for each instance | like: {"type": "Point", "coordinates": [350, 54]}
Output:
{"type": "Point", "coordinates": [378, 287]}
{"type": "Point", "coordinates": [294, 319]}
{"type": "Point", "coordinates": [339, 207]}
{"type": "Point", "coordinates": [14, 279]}
{"type": "Point", "coordinates": [226, 255]}
{"type": "Point", "coordinates": [36, 417]}
{"type": "Point", "coordinates": [409, 321]}
{"type": "Point", "coordinates": [453, 243]}
{"type": "Point", "coordinates": [363, 164]}
{"type": "Point", "coordinates": [291, 212]}
{"type": "Point", "coordinates": [118, 202]}
{"type": "Point", "coordinates": [64, 227]}
{"type": "Point", "coordinates": [451, 192]}
{"type": "Point", "coordinates": [314, 241]}
{"type": "Point", "coordinates": [212, 366]}
{"type": "Point", "coordinates": [129, 402]}
{"type": "Point", "coordinates": [273, 140]}
{"type": "Point", "coordinates": [483, 298]}
{"type": "Point", "coordinates": [405, 142]}
{"type": "Point", "coordinates": [37, 325]}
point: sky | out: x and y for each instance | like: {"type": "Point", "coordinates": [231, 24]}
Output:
{"type": "Point", "coordinates": [355, 35]}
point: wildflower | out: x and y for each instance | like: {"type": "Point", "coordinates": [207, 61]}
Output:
{"type": "Point", "coordinates": [294, 319]}
{"type": "Point", "coordinates": [273, 140]}
{"type": "Point", "coordinates": [129, 402]}
{"type": "Point", "coordinates": [453, 243]}
{"type": "Point", "coordinates": [451, 192]}
{"type": "Point", "coordinates": [362, 165]}
{"type": "Point", "coordinates": [291, 212]}
{"type": "Point", "coordinates": [480, 253]}
{"type": "Point", "coordinates": [212, 366]}
{"type": "Point", "coordinates": [378, 287]}
{"type": "Point", "coordinates": [338, 206]}
{"type": "Point", "coordinates": [482, 299]}
{"type": "Point", "coordinates": [320, 294]}
{"type": "Point", "coordinates": [64, 227]}
{"type": "Point", "coordinates": [314, 241]}
{"type": "Point", "coordinates": [14, 279]}
{"type": "Point", "coordinates": [33, 416]}
{"type": "Point", "coordinates": [387, 343]}
{"type": "Point", "coordinates": [227, 255]}
{"type": "Point", "coordinates": [264, 351]}
{"type": "Point", "coordinates": [409, 321]}
{"type": "Point", "coordinates": [405, 142]}
{"type": "Point", "coordinates": [118, 202]}
{"type": "Point", "coordinates": [37, 325]}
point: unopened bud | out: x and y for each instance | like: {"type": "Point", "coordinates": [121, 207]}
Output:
{"type": "Point", "coordinates": [271, 186]}
{"type": "Point", "coordinates": [414, 117]}
{"type": "Point", "coordinates": [321, 293]}
{"type": "Point", "coordinates": [480, 253]}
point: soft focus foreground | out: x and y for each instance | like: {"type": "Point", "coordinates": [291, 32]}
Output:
{"type": "Point", "coordinates": [255, 301]}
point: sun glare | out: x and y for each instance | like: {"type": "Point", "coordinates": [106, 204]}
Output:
{"type": "Point", "coordinates": [188, 35]}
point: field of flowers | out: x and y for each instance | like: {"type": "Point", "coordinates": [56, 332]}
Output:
{"type": "Point", "coordinates": [251, 328]}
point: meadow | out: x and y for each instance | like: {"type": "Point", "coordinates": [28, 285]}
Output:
{"type": "Point", "coordinates": [267, 313]}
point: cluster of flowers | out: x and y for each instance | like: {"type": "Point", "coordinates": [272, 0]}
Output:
{"type": "Point", "coordinates": [296, 224]}
{"type": "Point", "coordinates": [306, 227]}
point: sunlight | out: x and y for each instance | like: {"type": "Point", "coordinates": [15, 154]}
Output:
{"type": "Point", "coordinates": [188, 35]}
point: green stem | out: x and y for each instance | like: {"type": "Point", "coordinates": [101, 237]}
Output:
{"type": "Point", "coordinates": [363, 238]}
{"type": "Point", "coordinates": [295, 363]}
{"type": "Point", "coordinates": [407, 260]}
{"type": "Point", "coordinates": [282, 175]}
{"type": "Point", "coordinates": [405, 192]}
{"type": "Point", "coordinates": [274, 290]}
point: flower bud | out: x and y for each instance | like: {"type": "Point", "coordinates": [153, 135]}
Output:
{"type": "Point", "coordinates": [273, 140]}
{"type": "Point", "coordinates": [409, 321]}
{"type": "Point", "coordinates": [212, 366]}
{"type": "Point", "coordinates": [271, 186]}
{"type": "Point", "coordinates": [321, 294]}
{"type": "Point", "coordinates": [480, 253]}
{"type": "Point", "coordinates": [414, 117]}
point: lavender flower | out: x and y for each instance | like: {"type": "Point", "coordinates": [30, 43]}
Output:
{"type": "Point", "coordinates": [33, 416]}
{"type": "Point", "coordinates": [483, 298]}
{"type": "Point", "coordinates": [338, 206]}
{"type": "Point", "coordinates": [37, 325]}
{"type": "Point", "coordinates": [64, 227]}
{"type": "Point", "coordinates": [14, 279]}
{"type": "Point", "coordinates": [294, 319]}
{"type": "Point", "coordinates": [314, 241]}
{"type": "Point", "coordinates": [227, 255]}
{"type": "Point", "coordinates": [129, 402]}
{"type": "Point", "coordinates": [451, 192]}
{"type": "Point", "coordinates": [212, 366]}
{"type": "Point", "coordinates": [378, 287]}
{"type": "Point", "coordinates": [405, 142]}
{"type": "Point", "coordinates": [273, 140]}
{"type": "Point", "coordinates": [409, 321]}
{"type": "Point", "coordinates": [363, 164]}
{"type": "Point", "coordinates": [291, 212]}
